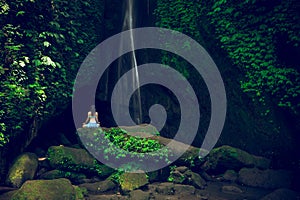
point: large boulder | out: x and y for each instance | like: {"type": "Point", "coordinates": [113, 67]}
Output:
{"type": "Point", "coordinates": [132, 181]}
{"type": "Point", "coordinates": [225, 157]}
{"type": "Point", "coordinates": [58, 189]}
{"type": "Point", "coordinates": [23, 169]}
{"type": "Point", "coordinates": [77, 160]}
{"type": "Point", "coordinates": [268, 179]}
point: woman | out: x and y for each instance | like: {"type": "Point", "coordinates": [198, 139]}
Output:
{"type": "Point", "coordinates": [92, 119]}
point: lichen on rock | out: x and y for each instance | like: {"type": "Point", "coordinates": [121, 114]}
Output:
{"type": "Point", "coordinates": [24, 168]}
{"type": "Point", "coordinates": [131, 181]}
{"type": "Point", "coordinates": [58, 189]}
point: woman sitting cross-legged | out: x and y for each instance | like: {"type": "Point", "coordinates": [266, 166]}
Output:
{"type": "Point", "coordinates": [92, 119]}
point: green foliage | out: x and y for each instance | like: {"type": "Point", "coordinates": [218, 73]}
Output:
{"type": "Point", "coordinates": [42, 45]}
{"type": "Point", "coordinates": [180, 16]}
{"type": "Point", "coordinates": [251, 34]}
{"type": "Point", "coordinates": [81, 192]}
{"type": "Point", "coordinates": [171, 177]}
{"type": "Point", "coordinates": [115, 145]}
{"type": "Point", "coordinates": [120, 138]}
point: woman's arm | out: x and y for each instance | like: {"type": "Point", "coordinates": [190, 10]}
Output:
{"type": "Point", "coordinates": [97, 120]}
{"type": "Point", "coordinates": [88, 118]}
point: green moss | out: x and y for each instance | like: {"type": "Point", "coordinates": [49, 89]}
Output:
{"type": "Point", "coordinates": [131, 181]}
{"type": "Point", "coordinates": [80, 193]}
{"type": "Point", "coordinates": [23, 169]}
{"type": "Point", "coordinates": [59, 189]}
{"type": "Point", "coordinates": [76, 160]}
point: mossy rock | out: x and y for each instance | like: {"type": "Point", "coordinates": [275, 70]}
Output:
{"type": "Point", "coordinates": [226, 157]}
{"type": "Point", "coordinates": [132, 181]}
{"type": "Point", "coordinates": [55, 174]}
{"type": "Point", "coordinates": [76, 160]}
{"type": "Point", "coordinates": [23, 169]}
{"type": "Point", "coordinates": [58, 189]}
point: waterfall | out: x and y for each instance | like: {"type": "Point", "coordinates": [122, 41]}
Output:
{"type": "Point", "coordinates": [128, 24]}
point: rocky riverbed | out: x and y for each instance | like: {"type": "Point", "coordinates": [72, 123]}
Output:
{"type": "Point", "coordinates": [70, 172]}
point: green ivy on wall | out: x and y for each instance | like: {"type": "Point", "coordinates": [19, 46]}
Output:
{"type": "Point", "coordinates": [250, 32]}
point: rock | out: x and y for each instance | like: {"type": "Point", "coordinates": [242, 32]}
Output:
{"type": "Point", "coordinates": [184, 189]}
{"type": "Point", "coordinates": [139, 195]}
{"type": "Point", "coordinates": [99, 187]}
{"type": "Point", "coordinates": [195, 179]}
{"type": "Point", "coordinates": [282, 194]}
{"type": "Point", "coordinates": [225, 157]}
{"type": "Point", "coordinates": [268, 179]}
{"type": "Point", "coordinates": [76, 160]}
{"type": "Point", "coordinates": [231, 189]}
{"type": "Point", "coordinates": [173, 191]}
{"type": "Point", "coordinates": [177, 177]}
{"type": "Point", "coordinates": [182, 169]}
{"type": "Point", "coordinates": [55, 174]}
{"type": "Point", "coordinates": [165, 188]}
{"type": "Point", "coordinates": [153, 176]}
{"type": "Point", "coordinates": [131, 181]}
{"type": "Point", "coordinates": [107, 197]}
{"type": "Point", "coordinates": [24, 168]}
{"type": "Point", "coordinates": [58, 189]}
{"type": "Point", "coordinates": [6, 189]}
{"type": "Point", "coordinates": [230, 175]}
{"type": "Point", "coordinates": [7, 195]}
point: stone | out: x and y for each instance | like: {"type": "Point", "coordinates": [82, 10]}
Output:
{"type": "Point", "coordinates": [76, 160]}
{"type": "Point", "coordinates": [23, 169]}
{"type": "Point", "coordinates": [230, 175]}
{"type": "Point", "coordinates": [99, 187]}
{"type": "Point", "coordinates": [132, 181]}
{"type": "Point", "coordinates": [195, 179]}
{"type": "Point", "coordinates": [58, 189]}
{"type": "Point", "coordinates": [231, 189]}
{"type": "Point", "coordinates": [177, 177]}
{"type": "Point", "coordinates": [6, 189]}
{"type": "Point", "coordinates": [268, 179]}
{"type": "Point", "coordinates": [107, 197]}
{"type": "Point", "coordinates": [153, 176]}
{"type": "Point", "coordinates": [226, 157]}
{"type": "Point", "coordinates": [139, 195]}
{"type": "Point", "coordinates": [55, 174]}
{"type": "Point", "coordinates": [182, 169]}
{"type": "Point", "coordinates": [165, 188]}
{"type": "Point", "coordinates": [184, 189]}
{"type": "Point", "coordinates": [282, 194]}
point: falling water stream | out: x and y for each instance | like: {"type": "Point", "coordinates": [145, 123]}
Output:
{"type": "Point", "coordinates": [128, 24]}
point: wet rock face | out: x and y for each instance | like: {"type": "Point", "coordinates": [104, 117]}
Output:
{"type": "Point", "coordinates": [59, 189]}
{"type": "Point", "coordinates": [225, 157]}
{"type": "Point", "coordinates": [268, 179]}
{"type": "Point", "coordinates": [24, 168]}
